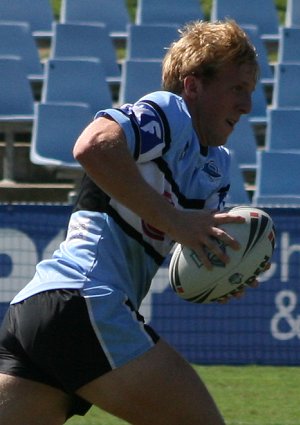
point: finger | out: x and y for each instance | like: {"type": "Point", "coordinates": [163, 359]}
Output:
{"type": "Point", "coordinates": [223, 300]}
{"type": "Point", "coordinates": [254, 284]}
{"type": "Point", "coordinates": [202, 255]}
{"type": "Point", "coordinates": [226, 238]}
{"type": "Point", "coordinates": [238, 293]}
{"type": "Point", "coordinates": [267, 267]}
{"type": "Point", "coordinates": [215, 248]}
{"type": "Point", "coordinates": [222, 218]}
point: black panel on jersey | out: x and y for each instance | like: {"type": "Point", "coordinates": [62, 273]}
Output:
{"type": "Point", "coordinates": [134, 234]}
{"type": "Point", "coordinates": [183, 201]}
{"type": "Point", "coordinates": [91, 197]}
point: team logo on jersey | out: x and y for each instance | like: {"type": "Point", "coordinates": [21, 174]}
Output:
{"type": "Point", "coordinates": [151, 127]}
{"type": "Point", "coordinates": [211, 169]}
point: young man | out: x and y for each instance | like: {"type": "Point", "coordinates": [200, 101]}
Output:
{"type": "Point", "coordinates": [157, 172]}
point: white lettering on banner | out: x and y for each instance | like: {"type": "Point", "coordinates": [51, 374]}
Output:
{"type": "Point", "coordinates": [284, 324]}
{"type": "Point", "coordinates": [285, 254]}
{"type": "Point", "coordinates": [23, 254]}
{"type": "Point", "coordinates": [19, 247]}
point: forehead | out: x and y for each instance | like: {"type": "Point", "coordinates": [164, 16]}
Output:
{"type": "Point", "coordinates": [245, 74]}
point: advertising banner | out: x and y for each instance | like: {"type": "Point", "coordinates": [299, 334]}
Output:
{"type": "Point", "coordinates": [261, 328]}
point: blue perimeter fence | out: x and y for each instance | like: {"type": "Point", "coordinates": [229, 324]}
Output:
{"type": "Point", "coordinates": [262, 328]}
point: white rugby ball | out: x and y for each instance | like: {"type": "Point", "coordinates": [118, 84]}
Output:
{"type": "Point", "coordinates": [193, 282]}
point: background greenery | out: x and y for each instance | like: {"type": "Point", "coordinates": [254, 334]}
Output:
{"type": "Point", "coordinates": [247, 395]}
{"type": "Point", "coordinates": [206, 5]}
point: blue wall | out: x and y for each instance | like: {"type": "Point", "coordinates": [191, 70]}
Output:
{"type": "Point", "coordinates": [261, 328]}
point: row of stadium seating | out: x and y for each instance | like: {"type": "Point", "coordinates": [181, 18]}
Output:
{"type": "Point", "coordinates": [82, 73]}
{"type": "Point", "coordinates": [115, 14]}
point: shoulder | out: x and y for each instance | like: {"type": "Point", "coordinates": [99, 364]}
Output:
{"type": "Point", "coordinates": [172, 111]}
{"type": "Point", "coordinates": [169, 103]}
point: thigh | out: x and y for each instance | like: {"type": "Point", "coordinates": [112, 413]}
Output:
{"type": "Point", "coordinates": [27, 402]}
{"type": "Point", "coordinates": [39, 344]}
{"type": "Point", "coordinates": [157, 387]}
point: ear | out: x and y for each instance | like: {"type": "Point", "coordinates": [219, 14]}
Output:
{"type": "Point", "coordinates": [192, 86]}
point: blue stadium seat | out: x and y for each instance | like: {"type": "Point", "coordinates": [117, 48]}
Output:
{"type": "Point", "coordinates": [242, 142]}
{"type": "Point", "coordinates": [76, 80]}
{"type": "Point", "coordinates": [289, 44]}
{"type": "Point", "coordinates": [283, 129]}
{"type": "Point", "coordinates": [277, 179]}
{"type": "Point", "coordinates": [138, 78]}
{"type": "Point", "coordinates": [37, 14]}
{"type": "Point", "coordinates": [148, 41]}
{"type": "Point", "coordinates": [266, 73]}
{"type": "Point", "coordinates": [16, 98]}
{"type": "Point", "coordinates": [16, 39]}
{"type": "Point", "coordinates": [286, 91]}
{"type": "Point", "coordinates": [255, 12]}
{"type": "Point", "coordinates": [258, 114]}
{"type": "Point", "coordinates": [292, 16]}
{"type": "Point", "coordinates": [112, 13]}
{"type": "Point", "coordinates": [166, 12]}
{"type": "Point", "coordinates": [237, 194]}
{"type": "Point", "coordinates": [86, 40]}
{"type": "Point", "coordinates": [56, 128]}
{"type": "Point", "coordinates": [16, 107]}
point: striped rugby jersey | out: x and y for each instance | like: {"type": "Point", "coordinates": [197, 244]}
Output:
{"type": "Point", "coordinates": [107, 246]}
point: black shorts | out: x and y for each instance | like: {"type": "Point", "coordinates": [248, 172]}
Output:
{"type": "Point", "coordinates": [49, 338]}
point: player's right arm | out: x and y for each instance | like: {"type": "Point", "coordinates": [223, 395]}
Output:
{"type": "Point", "coordinates": [102, 151]}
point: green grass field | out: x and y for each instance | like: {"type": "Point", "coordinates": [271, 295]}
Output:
{"type": "Point", "coordinates": [246, 395]}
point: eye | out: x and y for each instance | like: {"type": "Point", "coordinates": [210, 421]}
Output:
{"type": "Point", "coordinates": [243, 90]}
{"type": "Point", "coordinates": [238, 89]}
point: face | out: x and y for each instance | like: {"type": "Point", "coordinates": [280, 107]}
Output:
{"type": "Point", "coordinates": [216, 106]}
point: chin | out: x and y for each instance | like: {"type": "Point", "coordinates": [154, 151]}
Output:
{"type": "Point", "coordinates": [220, 142]}
{"type": "Point", "coordinates": [218, 138]}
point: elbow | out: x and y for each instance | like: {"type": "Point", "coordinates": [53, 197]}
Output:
{"type": "Point", "coordinates": [96, 142]}
{"type": "Point", "coordinates": [83, 150]}
{"type": "Point", "coordinates": [78, 151]}
{"type": "Point", "coordinates": [88, 143]}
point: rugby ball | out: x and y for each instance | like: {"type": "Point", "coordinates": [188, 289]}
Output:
{"type": "Point", "coordinates": [193, 282]}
